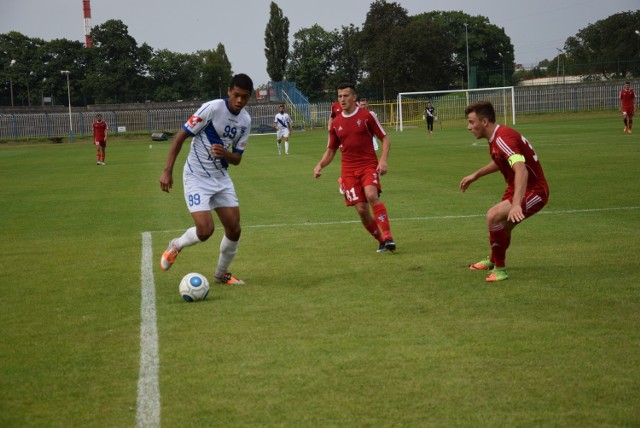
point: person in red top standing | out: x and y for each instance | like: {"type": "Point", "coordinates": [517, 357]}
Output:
{"type": "Point", "coordinates": [100, 138]}
{"type": "Point", "coordinates": [336, 109]}
{"type": "Point", "coordinates": [627, 106]}
{"type": "Point", "coordinates": [351, 131]}
{"type": "Point", "coordinates": [527, 189]}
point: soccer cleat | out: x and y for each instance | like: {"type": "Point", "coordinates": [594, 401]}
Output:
{"type": "Point", "coordinates": [485, 264]}
{"type": "Point", "coordinates": [497, 274]}
{"type": "Point", "coordinates": [626, 129]}
{"type": "Point", "coordinates": [98, 163]}
{"type": "Point", "coordinates": [390, 244]}
{"type": "Point", "coordinates": [229, 279]}
{"type": "Point", "coordinates": [629, 131]}
{"type": "Point", "coordinates": [169, 256]}
{"type": "Point", "coordinates": [381, 248]}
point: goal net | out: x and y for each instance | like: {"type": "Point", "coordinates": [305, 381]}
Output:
{"type": "Point", "coordinates": [450, 105]}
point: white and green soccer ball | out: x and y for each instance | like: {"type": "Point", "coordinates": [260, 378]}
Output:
{"type": "Point", "coordinates": [194, 287]}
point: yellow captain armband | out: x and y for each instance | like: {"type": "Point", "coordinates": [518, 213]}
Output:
{"type": "Point", "coordinates": [515, 158]}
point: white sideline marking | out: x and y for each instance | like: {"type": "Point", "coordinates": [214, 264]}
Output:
{"type": "Point", "coordinates": [442, 217]}
{"type": "Point", "coordinates": [148, 411]}
{"type": "Point", "coordinates": [148, 403]}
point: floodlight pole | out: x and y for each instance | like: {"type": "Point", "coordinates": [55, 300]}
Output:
{"type": "Point", "coordinates": [560, 51]}
{"type": "Point", "coordinates": [67, 72]}
{"type": "Point", "coordinates": [13, 61]}
{"type": "Point", "coordinates": [466, 36]}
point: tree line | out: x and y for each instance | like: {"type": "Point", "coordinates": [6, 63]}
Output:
{"type": "Point", "coordinates": [392, 52]}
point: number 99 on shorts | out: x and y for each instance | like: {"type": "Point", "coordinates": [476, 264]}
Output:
{"type": "Point", "coordinates": [194, 199]}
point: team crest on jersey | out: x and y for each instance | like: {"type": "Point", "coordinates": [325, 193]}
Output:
{"type": "Point", "coordinates": [194, 120]}
{"type": "Point", "coordinates": [359, 122]}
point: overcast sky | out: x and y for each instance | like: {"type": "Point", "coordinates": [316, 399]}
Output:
{"type": "Point", "coordinates": [536, 27]}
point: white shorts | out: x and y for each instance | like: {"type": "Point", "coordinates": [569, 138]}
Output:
{"type": "Point", "coordinates": [208, 193]}
{"type": "Point", "coordinates": [283, 133]}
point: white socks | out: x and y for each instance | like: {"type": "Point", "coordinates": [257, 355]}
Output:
{"type": "Point", "coordinates": [228, 250]}
{"type": "Point", "coordinates": [188, 238]}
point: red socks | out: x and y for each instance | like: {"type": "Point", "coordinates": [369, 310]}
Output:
{"type": "Point", "coordinates": [382, 219]}
{"type": "Point", "coordinates": [499, 240]}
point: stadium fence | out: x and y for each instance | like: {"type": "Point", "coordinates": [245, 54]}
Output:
{"type": "Point", "coordinates": [528, 100]}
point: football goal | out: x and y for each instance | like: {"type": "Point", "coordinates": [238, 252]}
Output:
{"type": "Point", "coordinates": [450, 105]}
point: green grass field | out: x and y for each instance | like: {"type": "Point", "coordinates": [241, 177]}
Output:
{"type": "Point", "coordinates": [326, 332]}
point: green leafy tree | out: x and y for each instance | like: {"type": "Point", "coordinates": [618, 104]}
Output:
{"type": "Point", "coordinates": [36, 69]}
{"type": "Point", "coordinates": [490, 49]}
{"type": "Point", "coordinates": [345, 58]}
{"type": "Point", "coordinates": [384, 59]}
{"type": "Point", "coordinates": [118, 65]}
{"type": "Point", "coordinates": [215, 71]}
{"type": "Point", "coordinates": [62, 54]}
{"type": "Point", "coordinates": [276, 40]}
{"type": "Point", "coordinates": [171, 76]}
{"type": "Point", "coordinates": [312, 60]}
{"type": "Point", "coordinates": [609, 47]}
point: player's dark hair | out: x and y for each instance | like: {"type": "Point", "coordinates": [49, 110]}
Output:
{"type": "Point", "coordinates": [242, 81]}
{"type": "Point", "coordinates": [482, 109]}
{"type": "Point", "coordinates": [346, 85]}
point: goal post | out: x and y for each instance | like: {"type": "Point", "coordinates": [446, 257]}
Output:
{"type": "Point", "coordinates": [451, 104]}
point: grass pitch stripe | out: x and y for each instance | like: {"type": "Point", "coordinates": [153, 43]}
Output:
{"type": "Point", "coordinates": [148, 403]}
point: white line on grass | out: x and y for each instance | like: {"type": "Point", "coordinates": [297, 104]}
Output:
{"type": "Point", "coordinates": [148, 412]}
{"type": "Point", "coordinates": [148, 404]}
{"type": "Point", "coordinates": [444, 217]}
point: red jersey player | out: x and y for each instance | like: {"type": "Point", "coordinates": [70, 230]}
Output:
{"type": "Point", "coordinates": [351, 131]}
{"type": "Point", "coordinates": [100, 138]}
{"type": "Point", "coordinates": [527, 190]}
{"type": "Point", "coordinates": [627, 106]}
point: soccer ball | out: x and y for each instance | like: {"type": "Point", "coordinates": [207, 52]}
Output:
{"type": "Point", "coordinates": [194, 287]}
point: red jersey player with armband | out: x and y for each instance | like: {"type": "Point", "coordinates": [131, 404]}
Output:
{"type": "Point", "coordinates": [100, 138]}
{"type": "Point", "coordinates": [351, 132]}
{"type": "Point", "coordinates": [627, 106]}
{"type": "Point", "coordinates": [527, 190]}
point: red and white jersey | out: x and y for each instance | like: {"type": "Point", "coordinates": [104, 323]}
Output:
{"type": "Point", "coordinates": [99, 130]}
{"type": "Point", "coordinates": [352, 135]}
{"type": "Point", "coordinates": [506, 143]}
{"type": "Point", "coordinates": [628, 99]}
{"type": "Point", "coordinates": [336, 109]}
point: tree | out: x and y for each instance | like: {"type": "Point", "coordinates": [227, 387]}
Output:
{"type": "Point", "coordinates": [21, 68]}
{"type": "Point", "coordinates": [384, 59]}
{"type": "Point", "coordinates": [118, 66]}
{"type": "Point", "coordinates": [171, 76]}
{"type": "Point", "coordinates": [312, 60]}
{"type": "Point", "coordinates": [216, 71]}
{"type": "Point", "coordinates": [276, 40]}
{"type": "Point", "coordinates": [346, 59]}
{"type": "Point", "coordinates": [490, 49]}
{"type": "Point", "coordinates": [609, 47]}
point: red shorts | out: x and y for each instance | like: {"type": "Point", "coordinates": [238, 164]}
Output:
{"type": "Point", "coordinates": [354, 182]}
{"type": "Point", "coordinates": [101, 143]}
{"type": "Point", "coordinates": [534, 200]}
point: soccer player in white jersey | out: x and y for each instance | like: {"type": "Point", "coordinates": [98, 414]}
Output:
{"type": "Point", "coordinates": [282, 122]}
{"type": "Point", "coordinates": [220, 130]}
